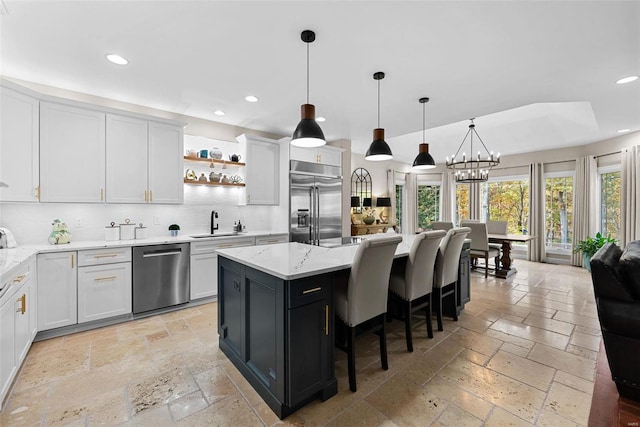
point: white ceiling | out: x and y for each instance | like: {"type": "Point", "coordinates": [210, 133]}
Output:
{"type": "Point", "coordinates": [535, 74]}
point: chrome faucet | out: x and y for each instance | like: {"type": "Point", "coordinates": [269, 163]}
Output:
{"type": "Point", "coordinates": [214, 226]}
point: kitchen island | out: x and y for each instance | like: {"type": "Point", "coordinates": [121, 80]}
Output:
{"type": "Point", "coordinates": [275, 318]}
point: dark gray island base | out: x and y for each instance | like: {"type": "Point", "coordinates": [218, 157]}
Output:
{"type": "Point", "coordinates": [278, 333]}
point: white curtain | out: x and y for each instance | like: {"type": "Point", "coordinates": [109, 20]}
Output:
{"type": "Point", "coordinates": [412, 203]}
{"type": "Point", "coordinates": [584, 202]}
{"type": "Point", "coordinates": [446, 197]}
{"type": "Point", "coordinates": [391, 190]}
{"type": "Point", "coordinates": [536, 212]}
{"type": "Point", "coordinates": [630, 200]}
{"type": "Point", "coordinates": [474, 201]}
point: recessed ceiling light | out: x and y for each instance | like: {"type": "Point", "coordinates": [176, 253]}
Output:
{"type": "Point", "coordinates": [117, 59]}
{"type": "Point", "coordinates": [219, 113]}
{"type": "Point", "coordinates": [627, 80]}
{"type": "Point", "coordinates": [624, 130]}
{"type": "Point", "coordinates": [251, 98]}
{"type": "Point", "coordinates": [320, 119]}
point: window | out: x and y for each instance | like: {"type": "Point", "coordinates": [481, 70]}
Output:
{"type": "Point", "coordinates": [609, 180]}
{"type": "Point", "coordinates": [558, 211]}
{"type": "Point", "coordinates": [428, 204]}
{"type": "Point", "coordinates": [506, 199]}
{"type": "Point", "coordinates": [399, 205]}
{"type": "Point", "coordinates": [462, 202]}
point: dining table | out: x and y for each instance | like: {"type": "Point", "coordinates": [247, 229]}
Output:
{"type": "Point", "coordinates": [506, 268]}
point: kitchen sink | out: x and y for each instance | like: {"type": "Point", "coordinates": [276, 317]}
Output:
{"type": "Point", "coordinates": [208, 236]}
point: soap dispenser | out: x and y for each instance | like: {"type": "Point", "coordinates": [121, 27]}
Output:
{"type": "Point", "coordinates": [239, 226]}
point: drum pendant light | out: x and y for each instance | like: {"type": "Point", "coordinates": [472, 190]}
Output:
{"type": "Point", "coordinates": [423, 160]}
{"type": "Point", "coordinates": [378, 150]}
{"type": "Point", "coordinates": [308, 133]}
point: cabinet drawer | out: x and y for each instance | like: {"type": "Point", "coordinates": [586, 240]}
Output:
{"type": "Point", "coordinates": [308, 290]}
{"type": "Point", "coordinates": [220, 243]}
{"type": "Point", "coordinates": [11, 282]}
{"type": "Point", "coordinates": [276, 238]}
{"type": "Point", "coordinates": [104, 256]}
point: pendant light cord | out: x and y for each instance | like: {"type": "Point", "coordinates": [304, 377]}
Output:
{"type": "Point", "coordinates": [423, 121]}
{"type": "Point", "coordinates": [307, 73]}
{"type": "Point", "coordinates": [378, 104]}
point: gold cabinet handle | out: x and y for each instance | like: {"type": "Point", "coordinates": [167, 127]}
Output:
{"type": "Point", "coordinates": [145, 195]}
{"type": "Point", "coordinates": [72, 263]}
{"type": "Point", "coordinates": [102, 194]}
{"type": "Point", "coordinates": [100, 279]}
{"type": "Point", "coordinates": [105, 255]}
{"type": "Point", "coordinates": [312, 290]}
{"type": "Point", "coordinates": [150, 196]}
{"type": "Point", "coordinates": [38, 192]}
{"type": "Point", "coordinates": [326, 320]}
{"type": "Point", "coordinates": [19, 278]}
{"type": "Point", "coordinates": [23, 304]}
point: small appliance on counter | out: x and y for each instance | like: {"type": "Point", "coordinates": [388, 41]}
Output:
{"type": "Point", "coordinates": [6, 239]}
{"type": "Point", "coordinates": [112, 232]}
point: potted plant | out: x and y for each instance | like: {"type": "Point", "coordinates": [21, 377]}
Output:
{"type": "Point", "coordinates": [173, 229]}
{"type": "Point", "coordinates": [590, 246]}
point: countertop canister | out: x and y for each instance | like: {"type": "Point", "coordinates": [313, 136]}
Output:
{"type": "Point", "coordinates": [127, 230]}
{"type": "Point", "coordinates": [112, 232]}
{"type": "Point", "coordinates": [141, 232]}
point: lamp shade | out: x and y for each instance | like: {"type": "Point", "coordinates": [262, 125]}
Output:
{"type": "Point", "coordinates": [383, 201]}
{"type": "Point", "coordinates": [366, 202]}
{"type": "Point", "coordinates": [379, 149]}
{"type": "Point", "coordinates": [424, 160]}
{"type": "Point", "coordinates": [355, 201]}
{"type": "Point", "coordinates": [308, 132]}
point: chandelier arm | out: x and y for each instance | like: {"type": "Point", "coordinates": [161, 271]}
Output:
{"type": "Point", "coordinates": [461, 144]}
{"type": "Point", "coordinates": [482, 142]}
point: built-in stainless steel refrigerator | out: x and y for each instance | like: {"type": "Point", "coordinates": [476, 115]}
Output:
{"type": "Point", "coordinates": [315, 203]}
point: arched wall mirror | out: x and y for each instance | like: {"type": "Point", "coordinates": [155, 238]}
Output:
{"type": "Point", "coordinates": [360, 188]}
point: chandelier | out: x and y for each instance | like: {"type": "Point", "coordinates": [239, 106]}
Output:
{"type": "Point", "coordinates": [470, 169]}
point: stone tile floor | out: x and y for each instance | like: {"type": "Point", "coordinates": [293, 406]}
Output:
{"type": "Point", "coordinates": [522, 353]}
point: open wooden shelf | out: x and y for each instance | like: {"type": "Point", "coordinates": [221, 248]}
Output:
{"type": "Point", "coordinates": [221, 161]}
{"type": "Point", "coordinates": [219, 184]}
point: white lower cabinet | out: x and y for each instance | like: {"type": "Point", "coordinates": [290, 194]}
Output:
{"type": "Point", "coordinates": [104, 291]}
{"type": "Point", "coordinates": [204, 264]}
{"type": "Point", "coordinates": [18, 324]}
{"type": "Point", "coordinates": [57, 290]}
{"type": "Point", "coordinates": [104, 283]}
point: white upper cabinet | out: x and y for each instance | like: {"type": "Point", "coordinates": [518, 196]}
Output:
{"type": "Point", "coordinates": [19, 124]}
{"type": "Point", "coordinates": [127, 141]}
{"type": "Point", "coordinates": [326, 155]}
{"type": "Point", "coordinates": [165, 163]}
{"type": "Point", "coordinates": [262, 170]}
{"type": "Point", "coordinates": [72, 154]}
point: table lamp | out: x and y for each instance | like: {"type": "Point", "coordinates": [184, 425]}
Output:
{"type": "Point", "coordinates": [383, 202]}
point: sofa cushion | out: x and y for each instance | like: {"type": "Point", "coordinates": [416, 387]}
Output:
{"type": "Point", "coordinates": [630, 267]}
{"type": "Point", "coordinates": [620, 318]}
{"type": "Point", "coordinates": [607, 281]}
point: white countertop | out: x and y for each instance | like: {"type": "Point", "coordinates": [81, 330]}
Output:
{"type": "Point", "coordinates": [12, 258]}
{"type": "Point", "coordinates": [291, 261]}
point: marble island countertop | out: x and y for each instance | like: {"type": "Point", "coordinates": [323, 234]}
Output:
{"type": "Point", "coordinates": [12, 258]}
{"type": "Point", "coordinates": [291, 261]}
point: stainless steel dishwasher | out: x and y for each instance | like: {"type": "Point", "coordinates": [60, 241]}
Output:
{"type": "Point", "coordinates": [160, 276]}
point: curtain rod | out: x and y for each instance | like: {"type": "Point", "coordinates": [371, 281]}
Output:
{"type": "Point", "coordinates": [608, 154]}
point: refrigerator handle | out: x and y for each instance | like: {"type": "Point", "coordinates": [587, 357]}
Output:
{"type": "Point", "coordinates": [312, 216]}
{"type": "Point", "coordinates": [317, 215]}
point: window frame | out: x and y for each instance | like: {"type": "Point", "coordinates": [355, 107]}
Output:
{"type": "Point", "coordinates": [559, 174]}
{"type": "Point", "coordinates": [601, 171]}
{"type": "Point", "coordinates": [432, 183]}
{"type": "Point", "coordinates": [403, 197]}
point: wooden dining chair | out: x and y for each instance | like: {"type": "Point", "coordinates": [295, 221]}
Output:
{"type": "Point", "coordinates": [363, 296]}
{"type": "Point", "coordinates": [411, 281]}
{"type": "Point", "coordinates": [447, 265]}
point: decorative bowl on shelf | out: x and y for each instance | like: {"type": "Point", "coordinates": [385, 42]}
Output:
{"type": "Point", "coordinates": [191, 154]}
{"type": "Point", "coordinates": [235, 179]}
{"type": "Point", "coordinates": [368, 220]}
